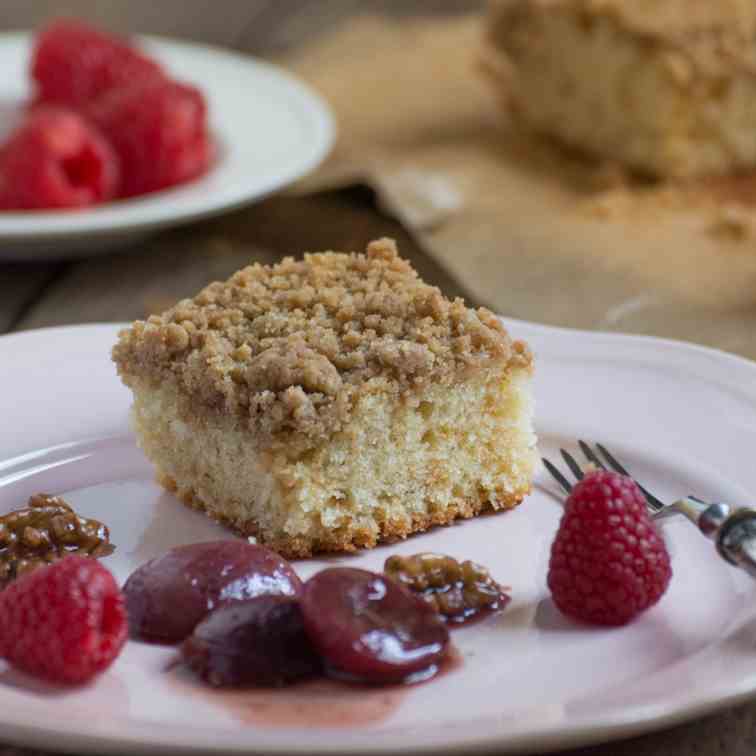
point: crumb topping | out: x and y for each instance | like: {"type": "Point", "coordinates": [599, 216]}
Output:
{"type": "Point", "coordinates": [714, 35]}
{"type": "Point", "coordinates": [291, 346]}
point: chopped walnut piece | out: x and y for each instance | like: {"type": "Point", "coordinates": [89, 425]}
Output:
{"type": "Point", "coordinates": [45, 530]}
{"type": "Point", "coordinates": [458, 591]}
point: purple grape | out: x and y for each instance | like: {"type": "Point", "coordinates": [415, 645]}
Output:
{"type": "Point", "coordinates": [368, 627]}
{"type": "Point", "coordinates": [261, 642]}
{"type": "Point", "coordinates": [168, 596]}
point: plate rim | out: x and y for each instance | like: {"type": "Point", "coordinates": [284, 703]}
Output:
{"type": "Point", "coordinates": [614, 726]}
{"type": "Point", "coordinates": [131, 219]}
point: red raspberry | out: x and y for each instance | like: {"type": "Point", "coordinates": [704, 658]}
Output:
{"type": "Point", "coordinates": [159, 132]}
{"type": "Point", "coordinates": [55, 159]}
{"type": "Point", "coordinates": [608, 562]}
{"type": "Point", "coordinates": [73, 64]}
{"type": "Point", "coordinates": [65, 622]}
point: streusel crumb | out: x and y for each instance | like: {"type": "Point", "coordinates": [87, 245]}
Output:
{"type": "Point", "coordinates": [292, 346]}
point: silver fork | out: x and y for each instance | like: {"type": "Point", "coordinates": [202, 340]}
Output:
{"type": "Point", "coordinates": [733, 531]}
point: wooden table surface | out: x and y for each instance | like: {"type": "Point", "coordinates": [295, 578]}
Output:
{"type": "Point", "coordinates": [152, 275]}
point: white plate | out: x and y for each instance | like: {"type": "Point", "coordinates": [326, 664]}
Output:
{"type": "Point", "coordinates": [269, 127]}
{"type": "Point", "coordinates": [683, 418]}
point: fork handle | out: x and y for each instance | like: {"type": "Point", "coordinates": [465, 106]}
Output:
{"type": "Point", "coordinates": [736, 540]}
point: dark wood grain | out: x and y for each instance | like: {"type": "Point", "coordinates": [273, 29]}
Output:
{"type": "Point", "coordinates": [193, 19]}
{"type": "Point", "coordinates": [20, 287]}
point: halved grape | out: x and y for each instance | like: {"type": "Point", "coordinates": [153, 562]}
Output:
{"type": "Point", "coordinates": [368, 627]}
{"type": "Point", "coordinates": [169, 595]}
{"type": "Point", "coordinates": [259, 642]}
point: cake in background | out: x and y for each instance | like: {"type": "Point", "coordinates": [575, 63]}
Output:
{"type": "Point", "coordinates": [665, 87]}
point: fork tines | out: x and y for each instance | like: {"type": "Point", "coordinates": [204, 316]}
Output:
{"type": "Point", "coordinates": [594, 458]}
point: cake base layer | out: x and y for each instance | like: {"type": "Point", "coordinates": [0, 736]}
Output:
{"type": "Point", "coordinates": [402, 465]}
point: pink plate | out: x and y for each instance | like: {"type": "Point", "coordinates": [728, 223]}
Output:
{"type": "Point", "coordinates": [684, 419]}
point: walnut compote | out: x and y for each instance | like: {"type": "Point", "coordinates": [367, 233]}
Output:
{"type": "Point", "coordinates": [459, 591]}
{"type": "Point", "coordinates": [45, 530]}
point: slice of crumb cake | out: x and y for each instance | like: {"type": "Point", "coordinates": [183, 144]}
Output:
{"type": "Point", "coordinates": [331, 403]}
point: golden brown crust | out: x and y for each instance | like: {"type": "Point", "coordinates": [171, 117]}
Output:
{"type": "Point", "coordinates": [352, 539]}
{"type": "Point", "coordinates": [714, 35]}
{"type": "Point", "coordinates": [288, 348]}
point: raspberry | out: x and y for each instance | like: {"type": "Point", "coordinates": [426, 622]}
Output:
{"type": "Point", "coordinates": [65, 622]}
{"type": "Point", "coordinates": [74, 64]}
{"type": "Point", "coordinates": [159, 132]}
{"type": "Point", "coordinates": [55, 159]}
{"type": "Point", "coordinates": [608, 562]}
